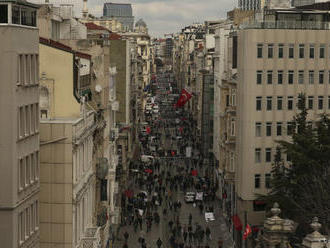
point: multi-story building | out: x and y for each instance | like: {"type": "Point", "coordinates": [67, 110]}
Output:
{"type": "Point", "coordinates": [67, 171]}
{"type": "Point", "coordinates": [19, 109]}
{"type": "Point", "coordinates": [121, 12]}
{"type": "Point", "coordinates": [277, 59]}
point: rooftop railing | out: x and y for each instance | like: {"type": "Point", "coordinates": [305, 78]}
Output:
{"type": "Point", "coordinates": [287, 25]}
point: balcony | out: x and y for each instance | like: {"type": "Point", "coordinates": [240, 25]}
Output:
{"type": "Point", "coordinates": [81, 126]}
{"type": "Point", "coordinates": [231, 140]}
{"type": "Point", "coordinates": [229, 176]}
{"type": "Point", "coordinates": [231, 110]}
{"type": "Point", "coordinates": [91, 239]}
{"type": "Point", "coordinates": [287, 25]}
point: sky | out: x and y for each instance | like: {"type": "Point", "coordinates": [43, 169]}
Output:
{"type": "Point", "coordinates": [162, 16]}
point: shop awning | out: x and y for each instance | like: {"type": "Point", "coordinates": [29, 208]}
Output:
{"type": "Point", "coordinates": [237, 222]}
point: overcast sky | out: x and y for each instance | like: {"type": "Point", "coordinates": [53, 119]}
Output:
{"type": "Point", "coordinates": [162, 16]}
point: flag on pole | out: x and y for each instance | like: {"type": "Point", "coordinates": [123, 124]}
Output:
{"type": "Point", "coordinates": [247, 231]}
{"type": "Point", "coordinates": [148, 130]}
{"type": "Point", "coordinates": [183, 99]}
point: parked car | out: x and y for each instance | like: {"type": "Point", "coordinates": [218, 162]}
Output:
{"type": "Point", "coordinates": [189, 197]}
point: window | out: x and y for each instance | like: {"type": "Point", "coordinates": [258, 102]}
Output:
{"type": "Point", "coordinates": [288, 157]}
{"type": "Point", "coordinates": [33, 69]}
{"type": "Point", "coordinates": [269, 103]}
{"type": "Point", "coordinates": [290, 77]}
{"type": "Point", "coordinates": [258, 129]}
{"type": "Point", "coordinates": [21, 229]}
{"type": "Point", "coordinates": [310, 102]}
{"type": "Point", "coordinates": [36, 157]}
{"type": "Point", "coordinates": [269, 77]}
{"type": "Point", "coordinates": [267, 180]}
{"type": "Point", "coordinates": [33, 169]}
{"type": "Point", "coordinates": [311, 51]}
{"type": "Point", "coordinates": [4, 13]}
{"type": "Point", "coordinates": [328, 102]}
{"type": "Point", "coordinates": [27, 223]}
{"type": "Point", "coordinates": [22, 75]}
{"type": "Point", "coordinates": [279, 103]}
{"type": "Point", "coordinates": [15, 15]}
{"type": "Point", "coordinates": [279, 77]}
{"type": "Point", "coordinates": [290, 128]}
{"type": "Point", "coordinates": [257, 155]}
{"type": "Point", "coordinates": [320, 102]}
{"type": "Point", "coordinates": [28, 69]}
{"type": "Point", "coordinates": [21, 121]}
{"type": "Point", "coordinates": [232, 162]}
{"type": "Point", "coordinates": [268, 154]}
{"type": "Point", "coordinates": [300, 77]}
{"type": "Point", "coordinates": [36, 117]}
{"type": "Point", "coordinates": [280, 51]}
{"type": "Point", "coordinates": [279, 128]}
{"type": "Point", "coordinates": [258, 103]}
{"type": "Point", "coordinates": [291, 51]}
{"type": "Point", "coordinates": [257, 181]}
{"type": "Point", "coordinates": [37, 214]}
{"type": "Point", "coordinates": [232, 127]}
{"type": "Point", "coordinates": [329, 75]}
{"type": "Point", "coordinates": [311, 77]}
{"type": "Point", "coordinates": [21, 173]}
{"type": "Point", "coordinates": [227, 100]}
{"type": "Point", "coordinates": [322, 51]}
{"type": "Point", "coordinates": [268, 129]}
{"type": "Point", "coordinates": [270, 51]}
{"type": "Point", "coordinates": [233, 97]}
{"type": "Point", "coordinates": [301, 51]}
{"type": "Point", "coordinates": [33, 220]}
{"type": "Point", "coordinates": [259, 77]}
{"type": "Point", "coordinates": [290, 102]}
{"type": "Point", "coordinates": [259, 51]}
{"type": "Point", "coordinates": [321, 77]}
{"type": "Point", "coordinates": [27, 120]}
{"type": "Point", "coordinates": [27, 170]}
{"type": "Point", "coordinates": [33, 117]}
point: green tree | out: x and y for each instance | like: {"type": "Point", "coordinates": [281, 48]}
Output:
{"type": "Point", "coordinates": [301, 185]}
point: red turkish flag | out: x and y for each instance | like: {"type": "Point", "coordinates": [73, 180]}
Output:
{"type": "Point", "coordinates": [181, 129]}
{"type": "Point", "coordinates": [149, 171]}
{"type": "Point", "coordinates": [173, 153]}
{"type": "Point", "coordinates": [247, 231]}
{"type": "Point", "coordinates": [184, 97]}
{"type": "Point", "coordinates": [194, 173]}
{"type": "Point", "coordinates": [148, 130]}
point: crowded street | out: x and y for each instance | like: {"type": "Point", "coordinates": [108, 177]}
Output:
{"type": "Point", "coordinates": [170, 200]}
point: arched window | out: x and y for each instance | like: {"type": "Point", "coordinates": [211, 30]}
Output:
{"type": "Point", "coordinates": [44, 102]}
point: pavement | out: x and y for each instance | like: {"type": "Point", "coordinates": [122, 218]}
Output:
{"type": "Point", "coordinates": [218, 227]}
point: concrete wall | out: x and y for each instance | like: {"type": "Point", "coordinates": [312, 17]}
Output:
{"type": "Point", "coordinates": [58, 68]}
{"type": "Point", "coordinates": [15, 93]}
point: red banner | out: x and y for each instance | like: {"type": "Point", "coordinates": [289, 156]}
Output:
{"type": "Point", "coordinates": [184, 98]}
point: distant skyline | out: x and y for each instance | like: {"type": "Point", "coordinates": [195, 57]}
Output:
{"type": "Point", "coordinates": [161, 16]}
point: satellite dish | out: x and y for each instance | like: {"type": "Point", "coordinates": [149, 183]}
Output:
{"type": "Point", "coordinates": [98, 88]}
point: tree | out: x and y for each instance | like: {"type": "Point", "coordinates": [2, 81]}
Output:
{"type": "Point", "coordinates": [301, 185]}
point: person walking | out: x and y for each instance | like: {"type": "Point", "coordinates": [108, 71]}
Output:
{"type": "Point", "coordinates": [159, 243]}
{"type": "Point", "coordinates": [126, 236]}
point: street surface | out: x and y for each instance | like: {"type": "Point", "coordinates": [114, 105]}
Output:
{"type": "Point", "coordinates": [168, 178]}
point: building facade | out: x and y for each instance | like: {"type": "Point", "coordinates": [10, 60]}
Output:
{"type": "Point", "coordinates": [19, 108]}
{"type": "Point", "coordinates": [274, 66]}
{"type": "Point", "coordinates": [121, 12]}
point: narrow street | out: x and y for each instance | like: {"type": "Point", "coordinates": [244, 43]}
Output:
{"type": "Point", "coordinates": [164, 176]}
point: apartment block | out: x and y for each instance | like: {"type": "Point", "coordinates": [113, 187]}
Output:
{"type": "Point", "coordinates": [277, 60]}
{"type": "Point", "coordinates": [19, 108]}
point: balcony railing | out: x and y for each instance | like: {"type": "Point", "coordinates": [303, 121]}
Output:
{"type": "Point", "coordinates": [287, 25]}
{"type": "Point", "coordinates": [92, 238]}
{"type": "Point", "coordinates": [82, 125]}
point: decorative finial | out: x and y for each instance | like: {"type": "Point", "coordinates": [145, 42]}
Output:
{"type": "Point", "coordinates": [276, 209]}
{"type": "Point", "coordinates": [315, 225]}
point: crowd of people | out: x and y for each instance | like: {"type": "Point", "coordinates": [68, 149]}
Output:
{"type": "Point", "coordinates": [151, 200]}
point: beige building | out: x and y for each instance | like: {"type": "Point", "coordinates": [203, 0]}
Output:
{"type": "Point", "coordinates": [67, 171]}
{"type": "Point", "coordinates": [19, 135]}
{"type": "Point", "coordinates": [274, 66]}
